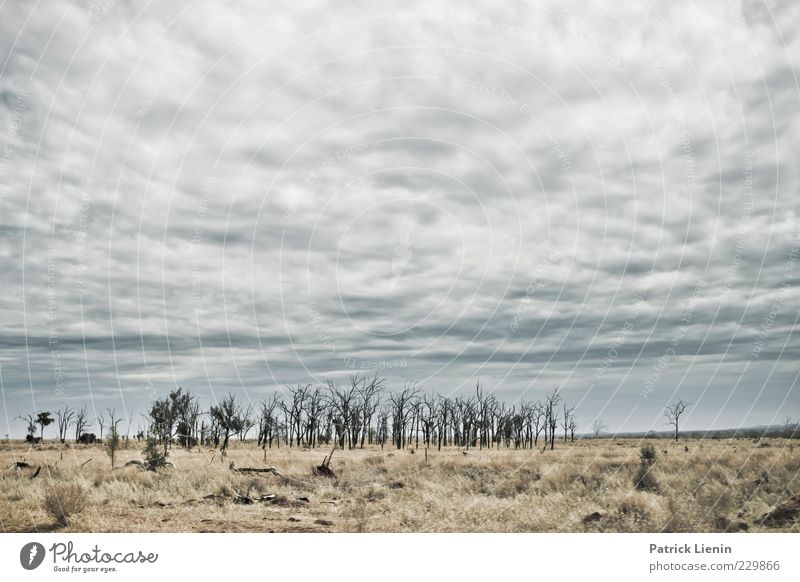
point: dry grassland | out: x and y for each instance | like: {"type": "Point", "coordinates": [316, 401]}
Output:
{"type": "Point", "coordinates": [718, 485]}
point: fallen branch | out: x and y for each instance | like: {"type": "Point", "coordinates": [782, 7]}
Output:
{"type": "Point", "coordinates": [256, 470]}
{"type": "Point", "coordinates": [324, 470]}
{"type": "Point", "coordinates": [85, 462]}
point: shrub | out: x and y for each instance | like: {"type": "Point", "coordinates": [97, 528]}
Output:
{"type": "Point", "coordinates": [112, 445]}
{"type": "Point", "coordinates": [153, 454]}
{"type": "Point", "coordinates": [647, 455]}
{"type": "Point", "coordinates": [63, 501]}
{"type": "Point", "coordinates": [644, 479]}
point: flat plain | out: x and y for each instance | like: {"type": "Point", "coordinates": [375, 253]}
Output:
{"type": "Point", "coordinates": [588, 486]}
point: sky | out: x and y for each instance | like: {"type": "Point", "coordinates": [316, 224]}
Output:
{"type": "Point", "coordinates": [240, 196]}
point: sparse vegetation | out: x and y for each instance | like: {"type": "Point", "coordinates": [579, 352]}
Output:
{"type": "Point", "coordinates": [113, 441]}
{"type": "Point", "coordinates": [645, 479]}
{"type": "Point", "coordinates": [719, 485]}
{"type": "Point", "coordinates": [63, 501]}
{"type": "Point", "coordinates": [347, 457]}
{"type": "Point", "coordinates": [154, 455]}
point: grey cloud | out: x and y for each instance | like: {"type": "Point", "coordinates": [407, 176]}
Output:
{"type": "Point", "coordinates": [224, 189]}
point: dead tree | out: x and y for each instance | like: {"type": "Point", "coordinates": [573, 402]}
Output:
{"type": "Point", "coordinates": [566, 415]}
{"type": "Point", "coordinates": [674, 413]}
{"type": "Point", "coordinates": [427, 418]}
{"type": "Point", "coordinates": [30, 422]}
{"type": "Point", "coordinates": [573, 426]}
{"type": "Point", "coordinates": [315, 409]}
{"type": "Point", "coordinates": [268, 422]}
{"type": "Point", "coordinates": [342, 401]}
{"type": "Point", "coordinates": [81, 423]}
{"type": "Point", "coordinates": [539, 422]}
{"type": "Point", "coordinates": [443, 406]}
{"type": "Point", "coordinates": [551, 416]}
{"type": "Point", "coordinates": [293, 411]}
{"type": "Point", "coordinates": [401, 406]}
{"type": "Point", "coordinates": [64, 420]}
{"type": "Point", "coordinates": [370, 402]}
{"type": "Point", "coordinates": [598, 426]}
{"type": "Point", "coordinates": [246, 422]}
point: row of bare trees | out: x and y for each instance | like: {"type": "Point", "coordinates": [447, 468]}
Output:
{"type": "Point", "coordinates": [359, 413]}
{"type": "Point", "coordinates": [351, 414]}
{"type": "Point", "coordinates": [66, 418]}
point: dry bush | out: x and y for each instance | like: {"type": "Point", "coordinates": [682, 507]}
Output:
{"type": "Point", "coordinates": [64, 501]}
{"type": "Point", "coordinates": [373, 493]}
{"type": "Point", "coordinates": [560, 478]}
{"type": "Point", "coordinates": [645, 479]}
{"type": "Point", "coordinates": [518, 483]}
{"type": "Point", "coordinates": [255, 486]}
{"type": "Point", "coordinates": [638, 512]}
{"type": "Point", "coordinates": [680, 517]}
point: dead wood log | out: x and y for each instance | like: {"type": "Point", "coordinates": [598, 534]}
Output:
{"type": "Point", "coordinates": [324, 470]}
{"type": "Point", "coordinates": [36, 473]}
{"type": "Point", "coordinates": [256, 470]}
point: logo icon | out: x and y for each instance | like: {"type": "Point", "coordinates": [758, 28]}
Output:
{"type": "Point", "coordinates": [31, 555]}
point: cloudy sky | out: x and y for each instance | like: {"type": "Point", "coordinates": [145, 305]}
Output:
{"type": "Point", "coordinates": [224, 196]}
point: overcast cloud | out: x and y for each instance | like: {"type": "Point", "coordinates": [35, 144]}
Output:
{"type": "Point", "coordinates": [228, 196]}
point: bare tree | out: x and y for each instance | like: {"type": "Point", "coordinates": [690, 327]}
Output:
{"type": "Point", "coordinates": [64, 418]}
{"type": "Point", "coordinates": [566, 416]}
{"type": "Point", "coordinates": [343, 404]}
{"type": "Point", "coordinates": [551, 416]}
{"type": "Point", "coordinates": [101, 421]}
{"type": "Point", "coordinates": [573, 426]}
{"type": "Point", "coordinates": [443, 420]}
{"type": "Point", "coordinates": [427, 418]}
{"type": "Point", "coordinates": [246, 421]}
{"type": "Point", "coordinates": [401, 405]}
{"type": "Point", "coordinates": [383, 425]}
{"type": "Point", "coordinates": [294, 410]}
{"type": "Point", "coordinates": [315, 400]}
{"type": "Point", "coordinates": [598, 426]}
{"type": "Point", "coordinates": [370, 402]}
{"type": "Point", "coordinates": [268, 423]}
{"type": "Point", "coordinates": [674, 413]}
{"type": "Point", "coordinates": [30, 422]}
{"type": "Point", "coordinates": [81, 423]}
{"type": "Point", "coordinates": [537, 421]}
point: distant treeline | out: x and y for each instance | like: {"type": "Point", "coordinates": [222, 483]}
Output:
{"type": "Point", "coordinates": [351, 415]}
{"type": "Point", "coordinates": [355, 414]}
{"type": "Point", "coordinates": [789, 429]}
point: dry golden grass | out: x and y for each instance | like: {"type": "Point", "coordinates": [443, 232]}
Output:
{"type": "Point", "coordinates": [717, 485]}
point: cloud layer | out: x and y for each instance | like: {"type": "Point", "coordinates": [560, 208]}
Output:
{"type": "Point", "coordinates": [228, 196]}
